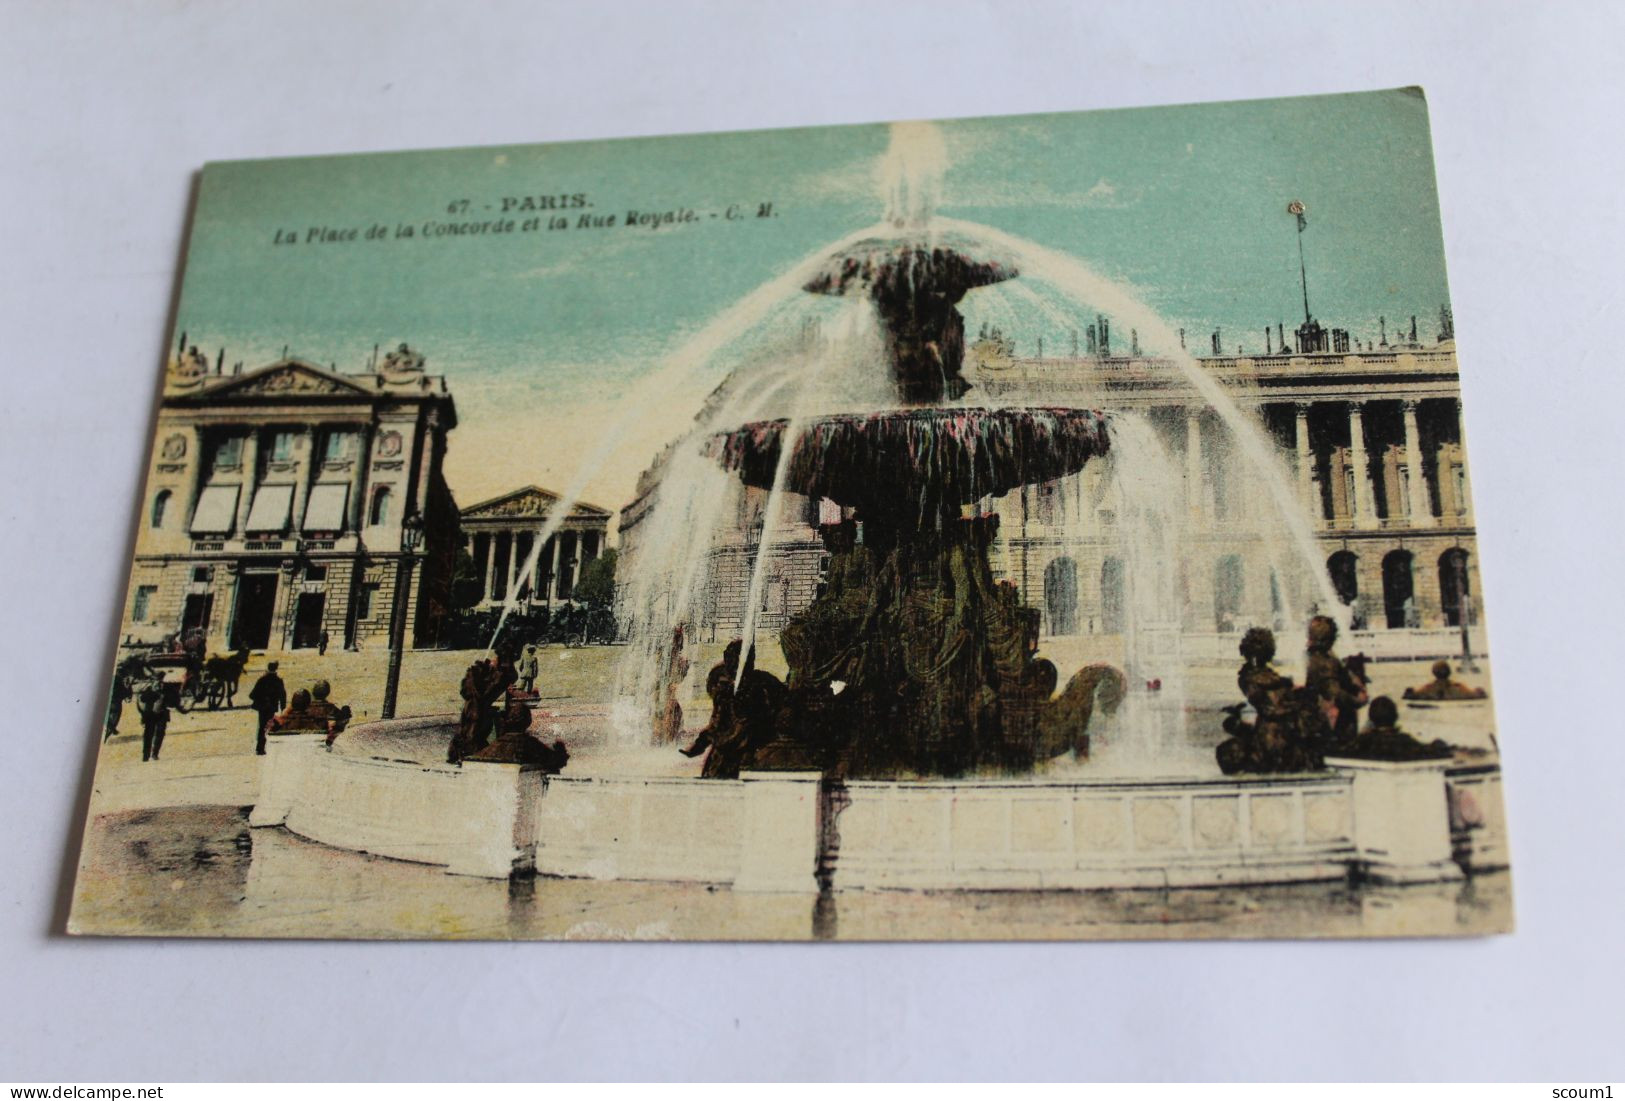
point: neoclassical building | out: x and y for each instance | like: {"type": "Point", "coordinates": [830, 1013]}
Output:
{"type": "Point", "coordinates": [274, 505]}
{"type": "Point", "coordinates": [500, 534]}
{"type": "Point", "coordinates": [1378, 465]}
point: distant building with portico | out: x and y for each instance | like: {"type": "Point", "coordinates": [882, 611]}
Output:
{"type": "Point", "coordinates": [499, 535]}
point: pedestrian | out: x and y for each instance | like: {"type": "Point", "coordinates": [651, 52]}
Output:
{"type": "Point", "coordinates": [115, 703]}
{"type": "Point", "coordinates": [154, 717]}
{"type": "Point", "coordinates": [529, 668]}
{"type": "Point", "coordinates": [268, 696]}
{"type": "Point", "coordinates": [321, 645]}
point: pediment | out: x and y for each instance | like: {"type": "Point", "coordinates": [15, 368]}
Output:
{"type": "Point", "coordinates": [529, 501]}
{"type": "Point", "coordinates": [287, 377]}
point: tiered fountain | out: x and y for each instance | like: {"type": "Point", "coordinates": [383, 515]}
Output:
{"type": "Point", "coordinates": [914, 660]}
{"type": "Point", "coordinates": [912, 742]}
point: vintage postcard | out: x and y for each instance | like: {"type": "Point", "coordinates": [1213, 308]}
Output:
{"type": "Point", "coordinates": [1054, 527]}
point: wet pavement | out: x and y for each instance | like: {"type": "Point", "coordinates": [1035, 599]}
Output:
{"type": "Point", "coordinates": [201, 871]}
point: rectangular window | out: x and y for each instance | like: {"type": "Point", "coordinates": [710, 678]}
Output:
{"type": "Point", "coordinates": [314, 572]}
{"type": "Point", "coordinates": [142, 611]}
{"type": "Point", "coordinates": [366, 600]}
{"type": "Point", "coordinates": [337, 445]}
{"type": "Point", "coordinates": [281, 447]}
{"type": "Point", "coordinates": [228, 451]}
{"type": "Point", "coordinates": [202, 573]}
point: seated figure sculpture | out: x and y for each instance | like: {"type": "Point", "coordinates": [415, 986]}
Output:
{"type": "Point", "coordinates": [1442, 687]}
{"type": "Point", "coordinates": [1339, 686]}
{"type": "Point", "coordinates": [516, 745]}
{"type": "Point", "coordinates": [300, 716]}
{"type": "Point", "coordinates": [1382, 740]}
{"type": "Point", "coordinates": [323, 708]}
{"type": "Point", "coordinates": [743, 721]}
{"type": "Point", "coordinates": [1287, 724]}
{"type": "Point", "coordinates": [483, 688]}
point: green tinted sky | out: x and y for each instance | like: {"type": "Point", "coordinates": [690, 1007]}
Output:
{"type": "Point", "coordinates": [1187, 204]}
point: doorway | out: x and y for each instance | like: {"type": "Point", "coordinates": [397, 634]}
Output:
{"type": "Point", "coordinates": [307, 620]}
{"type": "Point", "coordinates": [197, 612]}
{"type": "Point", "coordinates": [256, 602]}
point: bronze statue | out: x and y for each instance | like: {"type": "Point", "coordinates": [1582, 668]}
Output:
{"type": "Point", "coordinates": [1281, 737]}
{"type": "Point", "coordinates": [515, 744]}
{"type": "Point", "coordinates": [668, 715]}
{"type": "Point", "coordinates": [742, 721]}
{"type": "Point", "coordinates": [1339, 686]}
{"type": "Point", "coordinates": [1383, 740]}
{"type": "Point", "coordinates": [483, 686]}
{"type": "Point", "coordinates": [335, 717]}
{"type": "Point", "coordinates": [1442, 687]}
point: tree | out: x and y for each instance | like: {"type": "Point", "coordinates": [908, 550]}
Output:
{"type": "Point", "coordinates": [465, 581]}
{"type": "Point", "coordinates": [596, 588]}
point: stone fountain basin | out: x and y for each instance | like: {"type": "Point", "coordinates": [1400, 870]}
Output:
{"type": "Point", "coordinates": [956, 455]}
{"type": "Point", "coordinates": [775, 831]}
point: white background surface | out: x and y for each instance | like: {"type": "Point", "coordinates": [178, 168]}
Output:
{"type": "Point", "coordinates": [107, 109]}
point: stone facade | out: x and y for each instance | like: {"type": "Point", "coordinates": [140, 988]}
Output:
{"type": "Point", "coordinates": [273, 507]}
{"type": "Point", "coordinates": [1355, 427]}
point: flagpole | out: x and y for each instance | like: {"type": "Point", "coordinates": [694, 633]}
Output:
{"type": "Point", "coordinates": [1296, 207]}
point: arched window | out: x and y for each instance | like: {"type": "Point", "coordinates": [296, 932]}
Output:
{"type": "Point", "coordinates": [1343, 567]}
{"type": "Point", "coordinates": [1111, 596]}
{"type": "Point", "coordinates": [1454, 592]}
{"type": "Point", "coordinates": [1399, 590]}
{"type": "Point", "coordinates": [1229, 588]}
{"type": "Point", "coordinates": [1061, 596]}
{"type": "Point", "coordinates": [160, 505]}
{"type": "Point", "coordinates": [380, 507]}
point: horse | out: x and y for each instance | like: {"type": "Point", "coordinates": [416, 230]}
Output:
{"type": "Point", "coordinates": [227, 670]}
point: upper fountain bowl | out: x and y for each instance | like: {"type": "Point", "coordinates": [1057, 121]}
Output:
{"type": "Point", "coordinates": [888, 268]}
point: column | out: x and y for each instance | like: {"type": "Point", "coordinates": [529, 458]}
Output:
{"type": "Point", "coordinates": [431, 426]}
{"type": "Point", "coordinates": [251, 472]}
{"type": "Point", "coordinates": [490, 566]}
{"type": "Point", "coordinates": [567, 554]}
{"type": "Point", "coordinates": [1421, 509]}
{"type": "Point", "coordinates": [200, 472]}
{"type": "Point", "coordinates": [1464, 505]}
{"type": "Point", "coordinates": [358, 476]}
{"type": "Point", "coordinates": [1306, 465]}
{"type": "Point", "coordinates": [513, 565]}
{"type": "Point", "coordinates": [1193, 462]}
{"type": "Point", "coordinates": [304, 469]}
{"type": "Point", "coordinates": [1365, 512]}
{"type": "Point", "coordinates": [553, 571]}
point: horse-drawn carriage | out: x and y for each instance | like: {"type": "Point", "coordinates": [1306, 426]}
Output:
{"type": "Point", "coordinates": [189, 679]}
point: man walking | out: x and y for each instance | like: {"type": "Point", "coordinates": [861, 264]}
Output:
{"type": "Point", "coordinates": [268, 696]}
{"type": "Point", "coordinates": [154, 717]}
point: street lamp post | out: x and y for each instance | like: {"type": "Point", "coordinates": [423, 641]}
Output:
{"type": "Point", "coordinates": [411, 538]}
